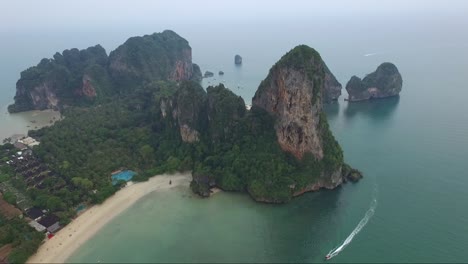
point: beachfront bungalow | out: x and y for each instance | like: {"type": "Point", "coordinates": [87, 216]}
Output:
{"type": "Point", "coordinates": [50, 222]}
{"type": "Point", "coordinates": [34, 213]}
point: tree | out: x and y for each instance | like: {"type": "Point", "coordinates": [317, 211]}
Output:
{"type": "Point", "coordinates": [9, 197]}
{"type": "Point", "coordinates": [81, 183]}
{"type": "Point", "coordinates": [147, 153]}
{"type": "Point", "coordinates": [55, 204]}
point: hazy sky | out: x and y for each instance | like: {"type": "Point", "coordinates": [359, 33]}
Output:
{"type": "Point", "coordinates": [24, 15]}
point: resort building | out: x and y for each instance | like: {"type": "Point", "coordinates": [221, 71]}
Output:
{"type": "Point", "coordinates": [37, 226]}
{"type": "Point", "coordinates": [50, 222]}
{"type": "Point", "coordinates": [29, 141]}
{"type": "Point", "coordinates": [34, 213]}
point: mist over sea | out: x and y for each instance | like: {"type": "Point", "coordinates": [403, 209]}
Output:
{"type": "Point", "coordinates": [412, 149]}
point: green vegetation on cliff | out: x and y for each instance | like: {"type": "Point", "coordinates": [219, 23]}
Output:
{"type": "Point", "coordinates": [237, 150]}
{"type": "Point", "coordinates": [167, 126]}
{"type": "Point", "coordinates": [146, 58]}
{"type": "Point", "coordinates": [84, 77]}
{"type": "Point", "coordinates": [62, 77]}
{"type": "Point", "coordinates": [303, 59]}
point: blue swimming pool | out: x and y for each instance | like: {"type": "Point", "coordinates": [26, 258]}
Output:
{"type": "Point", "coordinates": [80, 208]}
{"type": "Point", "coordinates": [124, 175]}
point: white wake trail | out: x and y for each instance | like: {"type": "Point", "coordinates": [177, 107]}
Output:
{"type": "Point", "coordinates": [334, 252]}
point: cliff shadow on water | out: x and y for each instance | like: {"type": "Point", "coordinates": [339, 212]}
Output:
{"type": "Point", "coordinates": [376, 109]}
{"type": "Point", "coordinates": [315, 213]}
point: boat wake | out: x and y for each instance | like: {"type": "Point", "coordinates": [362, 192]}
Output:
{"type": "Point", "coordinates": [370, 54]}
{"type": "Point", "coordinates": [334, 252]}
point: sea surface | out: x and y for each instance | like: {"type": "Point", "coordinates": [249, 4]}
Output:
{"type": "Point", "coordinates": [412, 204]}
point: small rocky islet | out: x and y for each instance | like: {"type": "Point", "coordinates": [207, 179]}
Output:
{"type": "Point", "coordinates": [237, 59]}
{"type": "Point", "coordinates": [385, 81]}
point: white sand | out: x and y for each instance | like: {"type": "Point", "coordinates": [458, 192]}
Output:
{"type": "Point", "coordinates": [59, 248]}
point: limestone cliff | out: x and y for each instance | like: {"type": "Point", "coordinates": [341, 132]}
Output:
{"type": "Point", "coordinates": [280, 148]}
{"type": "Point", "coordinates": [160, 56]}
{"type": "Point", "coordinates": [225, 112]}
{"type": "Point", "coordinates": [81, 77]}
{"type": "Point", "coordinates": [292, 93]}
{"type": "Point", "coordinates": [196, 73]}
{"type": "Point", "coordinates": [190, 111]}
{"type": "Point", "coordinates": [65, 79]}
{"type": "Point", "coordinates": [181, 106]}
{"type": "Point", "coordinates": [332, 88]}
{"type": "Point", "coordinates": [386, 81]}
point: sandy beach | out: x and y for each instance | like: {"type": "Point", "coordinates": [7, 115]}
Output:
{"type": "Point", "coordinates": [71, 237]}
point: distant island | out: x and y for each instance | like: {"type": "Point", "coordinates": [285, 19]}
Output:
{"type": "Point", "coordinates": [385, 82]}
{"type": "Point", "coordinates": [237, 59]}
{"type": "Point", "coordinates": [142, 108]}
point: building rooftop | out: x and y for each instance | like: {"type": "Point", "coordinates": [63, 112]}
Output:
{"type": "Point", "coordinates": [34, 213]}
{"type": "Point", "coordinates": [37, 226]}
{"type": "Point", "coordinates": [20, 145]}
{"type": "Point", "coordinates": [48, 220]}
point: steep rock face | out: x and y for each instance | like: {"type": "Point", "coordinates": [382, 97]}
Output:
{"type": "Point", "coordinates": [386, 81]}
{"type": "Point", "coordinates": [291, 92]}
{"type": "Point", "coordinates": [225, 110]}
{"type": "Point", "coordinates": [332, 88]}
{"type": "Point", "coordinates": [43, 95]}
{"type": "Point", "coordinates": [160, 56]}
{"type": "Point", "coordinates": [190, 111]}
{"type": "Point", "coordinates": [196, 73]}
{"type": "Point", "coordinates": [181, 108]}
{"type": "Point", "coordinates": [65, 79]}
{"type": "Point", "coordinates": [87, 89]}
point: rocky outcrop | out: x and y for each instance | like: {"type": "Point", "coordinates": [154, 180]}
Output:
{"type": "Point", "coordinates": [160, 56]}
{"type": "Point", "coordinates": [350, 174]}
{"type": "Point", "coordinates": [182, 107]}
{"type": "Point", "coordinates": [237, 60]}
{"type": "Point", "coordinates": [332, 88]}
{"type": "Point", "coordinates": [190, 111]}
{"type": "Point", "coordinates": [386, 81]}
{"type": "Point", "coordinates": [291, 92]}
{"type": "Point", "coordinates": [208, 74]}
{"type": "Point", "coordinates": [327, 181]}
{"type": "Point", "coordinates": [87, 89]}
{"type": "Point", "coordinates": [65, 79]}
{"type": "Point", "coordinates": [83, 76]}
{"type": "Point", "coordinates": [225, 111]}
{"type": "Point", "coordinates": [196, 73]}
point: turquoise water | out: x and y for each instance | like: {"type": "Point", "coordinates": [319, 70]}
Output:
{"type": "Point", "coordinates": [125, 175]}
{"type": "Point", "coordinates": [412, 150]}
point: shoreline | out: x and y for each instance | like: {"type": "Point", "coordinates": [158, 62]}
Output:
{"type": "Point", "coordinates": [70, 238]}
{"type": "Point", "coordinates": [22, 122]}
